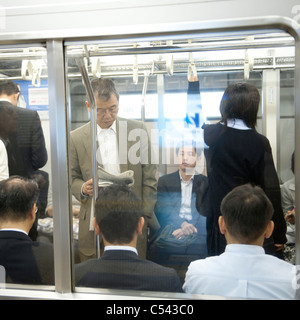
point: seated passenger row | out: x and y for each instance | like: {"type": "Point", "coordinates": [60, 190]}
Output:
{"type": "Point", "coordinates": [244, 270]}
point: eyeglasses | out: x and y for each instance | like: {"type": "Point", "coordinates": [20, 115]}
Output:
{"type": "Point", "coordinates": [111, 110]}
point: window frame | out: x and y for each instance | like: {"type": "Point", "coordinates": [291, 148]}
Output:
{"type": "Point", "coordinates": [59, 125]}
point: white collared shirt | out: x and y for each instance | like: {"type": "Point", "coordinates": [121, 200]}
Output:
{"type": "Point", "coordinates": [186, 198]}
{"type": "Point", "coordinates": [4, 174]}
{"type": "Point", "coordinates": [237, 124]}
{"type": "Point", "coordinates": [15, 230]}
{"type": "Point", "coordinates": [4, 99]}
{"type": "Point", "coordinates": [125, 248]}
{"type": "Point", "coordinates": [242, 271]}
{"type": "Point", "coordinates": [109, 156]}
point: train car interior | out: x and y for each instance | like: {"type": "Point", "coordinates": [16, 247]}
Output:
{"type": "Point", "coordinates": [152, 75]}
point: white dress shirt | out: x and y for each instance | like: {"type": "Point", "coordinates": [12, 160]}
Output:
{"type": "Point", "coordinates": [3, 162]}
{"type": "Point", "coordinates": [4, 99]}
{"type": "Point", "coordinates": [125, 248]}
{"type": "Point", "coordinates": [242, 271]}
{"type": "Point", "coordinates": [186, 198]}
{"type": "Point", "coordinates": [107, 153]}
{"type": "Point", "coordinates": [14, 230]}
{"type": "Point", "coordinates": [237, 124]}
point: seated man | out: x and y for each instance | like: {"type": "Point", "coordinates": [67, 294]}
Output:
{"type": "Point", "coordinates": [176, 208]}
{"type": "Point", "coordinates": [288, 207]}
{"type": "Point", "coordinates": [24, 260]}
{"type": "Point", "coordinates": [244, 270]}
{"type": "Point", "coordinates": [119, 221]}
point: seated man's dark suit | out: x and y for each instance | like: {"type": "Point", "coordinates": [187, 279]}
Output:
{"type": "Point", "coordinates": [26, 261]}
{"type": "Point", "coordinates": [167, 211]}
{"type": "Point", "coordinates": [123, 269]}
{"type": "Point", "coordinates": [168, 203]}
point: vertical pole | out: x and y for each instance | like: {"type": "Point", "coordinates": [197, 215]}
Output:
{"type": "Point", "coordinates": [271, 111]}
{"type": "Point", "coordinates": [62, 232]}
{"type": "Point", "coordinates": [93, 108]}
{"type": "Point", "coordinates": [297, 157]}
{"type": "Point", "coordinates": [162, 168]}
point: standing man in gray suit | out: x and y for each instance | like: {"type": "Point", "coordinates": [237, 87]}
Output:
{"type": "Point", "coordinates": [123, 145]}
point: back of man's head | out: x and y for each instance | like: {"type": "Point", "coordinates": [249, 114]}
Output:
{"type": "Point", "coordinates": [117, 211]}
{"type": "Point", "coordinates": [246, 211]}
{"type": "Point", "coordinates": [8, 88]}
{"type": "Point", "coordinates": [17, 197]}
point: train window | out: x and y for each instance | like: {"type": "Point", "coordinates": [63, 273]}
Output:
{"type": "Point", "coordinates": [25, 133]}
{"type": "Point", "coordinates": [174, 105]}
{"type": "Point", "coordinates": [167, 90]}
{"type": "Point", "coordinates": [172, 87]}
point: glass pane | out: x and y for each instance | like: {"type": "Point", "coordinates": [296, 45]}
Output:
{"type": "Point", "coordinates": [26, 249]}
{"type": "Point", "coordinates": [172, 88]}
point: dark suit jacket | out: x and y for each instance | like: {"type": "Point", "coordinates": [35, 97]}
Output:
{"type": "Point", "coordinates": [123, 269]}
{"type": "Point", "coordinates": [168, 203]}
{"type": "Point", "coordinates": [26, 261]}
{"type": "Point", "coordinates": [27, 153]}
{"type": "Point", "coordinates": [27, 144]}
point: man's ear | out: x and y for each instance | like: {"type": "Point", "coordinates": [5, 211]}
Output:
{"type": "Point", "coordinates": [15, 98]}
{"type": "Point", "coordinates": [33, 212]}
{"type": "Point", "coordinates": [269, 229]}
{"type": "Point", "coordinates": [140, 225]}
{"type": "Point", "coordinates": [88, 106]}
{"type": "Point", "coordinates": [222, 225]}
{"type": "Point", "coordinates": [96, 226]}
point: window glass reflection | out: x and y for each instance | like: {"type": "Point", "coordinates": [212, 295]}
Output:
{"type": "Point", "coordinates": [158, 134]}
{"type": "Point", "coordinates": [26, 252]}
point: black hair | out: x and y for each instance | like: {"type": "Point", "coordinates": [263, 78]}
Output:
{"type": "Point", "coordinates": [8, 87]}
{"type": "Point", "coordinates": [17, 197]}
{"type": "Point", "coordinates": [117, 211]}
{"type": "Point", "coordinates": [240, 101]}
{"type": "Point", "coordinates": [186, 143]}
{"type": "Point", "coordinates": [246, 211]}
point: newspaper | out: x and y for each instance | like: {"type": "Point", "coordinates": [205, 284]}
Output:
{"type": "Point", "coordinates": [105, 178]}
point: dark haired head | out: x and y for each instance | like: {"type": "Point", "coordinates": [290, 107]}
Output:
{"type": "Point", "coordinates": [246, 211]}
{"type": "Point", "coordinates": [240, 101]}
{"type": "Point", "coordinates": [17, 197]}
{"type": "Point", "coordinates": [188, 143]}
{"type": "Point", "coordinates": [104, 88]}
{"type": "Point", "coordinates": [117, 212]}
{"type": "Point", "coordinates": [8, 87]}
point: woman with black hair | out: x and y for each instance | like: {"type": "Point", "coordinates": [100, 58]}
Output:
{"type": "Point", "coordinates": [237, 155]}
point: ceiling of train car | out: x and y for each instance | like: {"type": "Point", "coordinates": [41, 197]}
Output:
{"type": "Point", "coordinates": [157, 57]}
